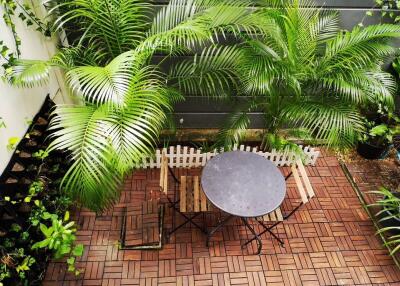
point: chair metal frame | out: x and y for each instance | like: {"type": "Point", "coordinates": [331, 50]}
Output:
{"type": "Point", "coordinates": [306, 193]}
{"type": "Point", "coordinates": [143, 246]}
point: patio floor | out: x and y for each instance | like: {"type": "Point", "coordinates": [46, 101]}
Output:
{"type": "Point", "coordinates": [330, 241]}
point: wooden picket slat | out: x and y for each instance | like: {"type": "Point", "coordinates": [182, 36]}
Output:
{"type": "Point", "coordinates": [158, 158]}
{"type": "Point", "coordinates": [162, 175]}
{"type": "Point", "coordinates": [191, 157]}
{"type": "Point", "coordinates": [178, 156]}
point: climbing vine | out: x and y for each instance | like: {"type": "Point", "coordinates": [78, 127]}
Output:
{"type": "Point", "coordinates": [389, 8]}
{"type": "Point", "coordinates": [11, 9]}
{"type": "Point", "coordinates": [386, 8]}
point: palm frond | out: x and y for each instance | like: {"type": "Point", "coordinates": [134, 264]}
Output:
{"type": "Point", "coordinates": [359, 87]}
{"type": "Point", "coordinates": [338, 125]}
{"type": "Point", "coordinates": [29, 73]}
{"type": "Point", "coordinates": [360, 47]}
{"type": "Point", "coordinates": [91, 178]}
{"type": "Point", "coordinates": [115, 25]}
{"type": "Point", "coordinates": [277, 142]}
{"type": "Point", "coordinates": [213, 72]}
{"type": "Point", "coordinates": [235, 127]}
{"type": "Point", "coordinates": [106, 142]}
{"type": "Point", "coordinates": [193, 23]}
{"type": "Point", "coordinates": [106, 84]}
{"type": "Point", "coordinates": [134, 130]}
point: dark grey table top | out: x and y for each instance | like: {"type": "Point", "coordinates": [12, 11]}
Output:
{"type": "Point", "coordinates": [243, 184]}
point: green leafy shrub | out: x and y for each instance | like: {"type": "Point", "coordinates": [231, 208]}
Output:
{"type": "Point", "coordinates": [60, 238]}
{"type": "Point", "coordinates": [390, 209]}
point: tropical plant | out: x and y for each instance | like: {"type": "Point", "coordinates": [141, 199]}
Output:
{"type": "Point", "coordinates": [382, 129]}
{"type": "Point", "coordinates": [15, 261]}
{"type": "Point", "coordinates": [311, 77]}
{"type": "Point", "coordinates": [390, 210]}
{"type": "Point", "coordinates": [382, 134]}
{"type": "Point", "coordinates": [60, 238]}
{"type": "Point", "coordinates": [126, 99]}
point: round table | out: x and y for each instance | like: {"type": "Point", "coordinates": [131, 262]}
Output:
{"type": "Point", "coordinates": [243, 184]}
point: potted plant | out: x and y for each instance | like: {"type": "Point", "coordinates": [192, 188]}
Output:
{"type": "Point", "coordinates": [389, 216]}
{"type": "Point", "coordinates": [376, 142]}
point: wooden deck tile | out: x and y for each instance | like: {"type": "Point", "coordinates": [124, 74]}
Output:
{"type": "Point", "coordinates": [330, 241]}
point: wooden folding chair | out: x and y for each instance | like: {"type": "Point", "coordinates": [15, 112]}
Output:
{"type": "Point", "coordinates": [191, 201]}
{"type": "Point", "coordinates": [305, 191]}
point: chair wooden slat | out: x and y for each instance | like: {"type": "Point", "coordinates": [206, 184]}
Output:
{"type": "Point", "coordinates": [182, 194]}
{"type": "Point", "coordinates": [299, 184]}
{"type": "Point", "coordinates": [196, 196]}
{"type": "Point", "coordinates": [272, 216]}
{"type": "Point", "coordinates": [305, 178]}
{"type": "Point", "coordinates": [279, 215]}
{"type": "Point", "coordinates": [189, 194]}
{"type": "Point", "coordinates": [203, 199]}
{"type": "Point", "coordinates": [210, 206]}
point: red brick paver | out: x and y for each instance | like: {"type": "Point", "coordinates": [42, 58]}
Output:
{"type": "Point", "coordinates": [330, 241]}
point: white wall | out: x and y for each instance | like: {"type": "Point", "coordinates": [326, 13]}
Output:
{"type": "Point", "coordinates": [17, 105]}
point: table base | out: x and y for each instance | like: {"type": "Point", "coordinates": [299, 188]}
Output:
{"type": "Point", "coordinates": [267, 229]}
{"type": "Point", "coordinates": [245, 222]}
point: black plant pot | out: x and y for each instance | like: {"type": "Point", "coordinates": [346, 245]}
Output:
{"type": "Point", "coordinates": [369, 151]}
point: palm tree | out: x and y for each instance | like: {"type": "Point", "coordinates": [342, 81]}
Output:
{"type": "Point", "coordinates": [311, 78]}
{"type": "Point", "coordinates": [125, 96]}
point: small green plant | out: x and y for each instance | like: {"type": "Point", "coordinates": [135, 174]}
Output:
{"type": "Point", "coordinates": [60, 237]}
{"type": "Point", "coordinates": [15, 260]}
{"type": "Point", "coordinates": [16, 227]}
{"type": "Point", "coordinates": [25, 266]}
{"type": "Point", "coordinates": [382, 134]}
{"type": "Point", "coordinates": [11, 9]}
{"type": "Point", "coordinates": [2, 123]}
{"type": "Point", "coordinates": [4, 272]}
{"type": "Point", "coordinates": [41, 154]}
{"type": "Point", "coordinates": [390, 209]}
{"type": "Point", "coordinates": [12, 143]}
{"type": "Point", "coordinates": [37, 213]}
{"type": "Point", "coordinates": [9, 243]}
{"type": "Point", "coordinates": [35, 188]}
{"type": "Point", "coordinates": [25, 236]}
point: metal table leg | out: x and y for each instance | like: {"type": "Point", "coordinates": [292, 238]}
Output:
{"type": "Point", "coordinates": [219, 225]}
{"type": "Point", "coordinates": [259, 242]}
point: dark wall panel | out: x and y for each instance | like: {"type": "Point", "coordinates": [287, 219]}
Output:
{"type": "Point", "coordinates": [197, 112]}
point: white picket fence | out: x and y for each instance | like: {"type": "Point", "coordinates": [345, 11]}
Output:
{"type": "Point", "coordinates": [187, 157]}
